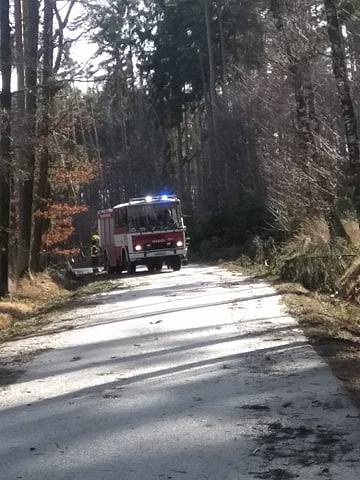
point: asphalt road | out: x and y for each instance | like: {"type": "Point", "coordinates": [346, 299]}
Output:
{"type": "Point", "coordinates": [191, 375]}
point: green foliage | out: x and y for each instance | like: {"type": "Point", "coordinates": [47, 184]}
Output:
{"type": "Point", "coordinates": [178, 63]}
{"type": "Point", "coordinates": [175, 61]}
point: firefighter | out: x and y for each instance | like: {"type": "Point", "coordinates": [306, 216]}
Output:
{"type": "Point", "coordinates": [95, 253]}
{"type": "Point", "coordinates": [166, 219]}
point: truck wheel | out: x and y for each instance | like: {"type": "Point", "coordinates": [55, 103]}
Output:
{"type": "Point", "coordinates": [106, 264]}
{"type": "Point", "coordinates": [158, 267]}
{"type": "Point", "coordinates": [123, 266]}
{"type": "Point", "coordinates": [176, 264]}
{"type": "Point", "coordinates": [107, 267]}
{"type": "Point", "coordinates": [131, 269]}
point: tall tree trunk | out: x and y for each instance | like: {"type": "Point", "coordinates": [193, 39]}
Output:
{"type": "Point", "coordinates": [31, 39]}
{"type": "Point", "coordinates": [215, 168]}
{"type": "Point", "coordinates": [19, 56]}
{"type": "Point", "coordinates": [222, 45]}
{"type": "Point", "coordinates": [210, 53]}
{"type": "Point", "coordinates": [180, 160]}
{"type": "Point", "coordinates": [347, 106]}
{"type": "Point", "coordinates": [17, 145]}
{"type": "Point", "coordinates": [306, 118]}
{"type": "Point", "coordinates": [47, 100]}
{"type": "Point", "coordinates": [5, 156]}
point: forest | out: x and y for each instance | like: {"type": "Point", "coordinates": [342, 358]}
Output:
{"type": "Point", "coordinates": [248, 110]}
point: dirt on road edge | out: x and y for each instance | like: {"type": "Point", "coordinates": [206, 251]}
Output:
{"type": "Point", "coordinates": [331, 325]}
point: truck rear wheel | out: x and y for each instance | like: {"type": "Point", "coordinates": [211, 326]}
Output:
{"type": "Point", "coordinates": [107, 267]}
{"type": "Point", "coordinates": [131, 268]}
{"type": "Point", "coordinates": [123, 266]}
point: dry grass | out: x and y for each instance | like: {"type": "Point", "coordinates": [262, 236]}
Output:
{"type": "Point", "coordinates": [16, 308]}
{"type": "Point", "coordinates": [323, 316]}
{"type": "Point", "coordinates": [5, 320]}
{"type": "Point", "coordinates": [34, 294]}
{"type": "Point", "coordinates": [352, 230]}
{"type": "Point", "coordinates": [313, 230]}
{"type": "Point", "coordinates": [349, 284]}
{"type": "Point", "coordinates": [39, 288]}
{"type": "Point", "coordinates": [40, 295]}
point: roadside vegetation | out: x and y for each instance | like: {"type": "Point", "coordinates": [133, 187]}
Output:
{"type": "Point", "coordinates": [19, 315]}
{"type": "Point", "coordinates": [40, 297]}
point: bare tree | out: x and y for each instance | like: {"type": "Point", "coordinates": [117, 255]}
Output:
{"type": "Point", "coordinates": [5, 154]}
{"type": "Point", "coordinates": [31, 41]}
{"type": "Point", "coordinates": [347, 106]}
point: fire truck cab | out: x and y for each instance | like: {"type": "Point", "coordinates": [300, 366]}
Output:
{"type": "Point", "coordinates": [146, 231]}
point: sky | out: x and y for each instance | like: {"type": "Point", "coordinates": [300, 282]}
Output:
{"type": "Point", "coordinates": [83, 51]}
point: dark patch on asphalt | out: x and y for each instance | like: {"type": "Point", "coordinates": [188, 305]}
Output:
{"type": "Point", "coordinates": [232, 284]}
{"type": "Point", "coordinates": [275, 474]}
{"type": "Point", "coordinates": [301, 431]}
{"type": "Point", "coordinates": [256, 407]}
{"type": "Point", "coordinates": [305, 446]}
{"type": "Point", "coordinates": [262, 365]}
{"type": "Point", "coordinates": [226, 367]}
{"type": "Point", "coordinates": [9, 376]}
{"type": "Point", "coordinates": [112, 396]}
{"type": "Point", "coordinates": [197, 399]}
{"type": "Point", "coordinates": [91, 304]}
{"type": "Point", "coordinates": [75, 359]}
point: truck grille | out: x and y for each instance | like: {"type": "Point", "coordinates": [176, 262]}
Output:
{"type": "Point", "coordinates": [158, 246]}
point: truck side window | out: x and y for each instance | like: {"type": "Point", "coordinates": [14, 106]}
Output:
{"type": "Point", "coordinates": [119, 222]}
{"type": "Point", "coordinates": [121, 218]}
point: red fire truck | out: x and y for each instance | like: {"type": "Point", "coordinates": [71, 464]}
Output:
{"type": "Point", "coordinates": [146, 231]}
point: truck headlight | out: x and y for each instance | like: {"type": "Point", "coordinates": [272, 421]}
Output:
{"type": "Point", "coordinates": [138, 248]}
{"type": "Point", "coordinates": [180, 243]}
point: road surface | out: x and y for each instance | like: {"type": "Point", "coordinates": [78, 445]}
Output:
{"type": "Point", "coordinates": [191, 375]}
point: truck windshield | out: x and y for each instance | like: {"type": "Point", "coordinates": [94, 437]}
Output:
{"type": "Point", "coordinates": [153, 217]}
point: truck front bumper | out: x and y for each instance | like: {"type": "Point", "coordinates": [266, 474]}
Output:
{"type": "Point", "coordinates": [136, 257]}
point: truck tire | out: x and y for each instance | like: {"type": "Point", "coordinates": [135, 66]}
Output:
{"type": "Point", "coordinates": [131, 268]}
{"type": "Point", "coordinates": [107, 268]}
{"type": "Point", "coordinates": [106, 263]}
{"type": "Point", "coordinates": [176, 264]}
{"type": "Point", "coordinates": [123, 265]}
